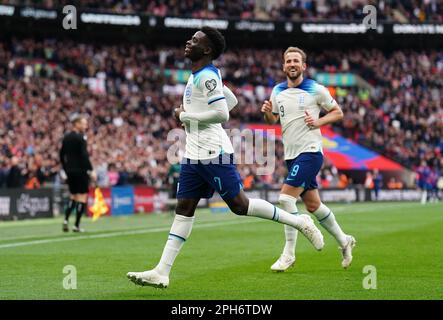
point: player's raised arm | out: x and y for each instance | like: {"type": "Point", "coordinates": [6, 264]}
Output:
{"type": "Point", "coordinates": [269, 116]}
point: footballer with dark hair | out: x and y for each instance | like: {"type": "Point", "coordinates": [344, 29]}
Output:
{"type": "Point", "coordinates": [208, 163]}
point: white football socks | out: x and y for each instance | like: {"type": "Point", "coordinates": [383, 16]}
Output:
{"type": "Point", "coordinates": [327, 219]}
{"type": "Point", "coordinates": [424, 197]}
{"type": "Point", "coordinates": [263, 209]}
{"type": "Point", "coordinates": [180, 231]}
{"type": "Point", "coordinates": [288, 203]}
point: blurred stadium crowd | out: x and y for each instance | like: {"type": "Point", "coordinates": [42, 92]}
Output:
{"type": "Point", "coordinates": [313, 10]}
{"type": "Point", "coordinates": [130, 91]}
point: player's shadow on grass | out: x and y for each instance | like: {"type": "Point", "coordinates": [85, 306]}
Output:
{"type": "Point", "coordinates": [141, 293]}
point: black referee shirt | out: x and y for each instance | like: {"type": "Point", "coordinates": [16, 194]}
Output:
{"type": "Point", "coordinates": [74, 153]}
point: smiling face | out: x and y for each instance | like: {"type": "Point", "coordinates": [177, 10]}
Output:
{"type": "Point", "coordinates": [197, 47]}
{"type": "Point", "coordinates": [293, 65]}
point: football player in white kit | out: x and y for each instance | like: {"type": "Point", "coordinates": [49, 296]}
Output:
{"type": "Point", "coordinates": [208, 164]}
{"type": "Point", "coordinates": [297, 103]}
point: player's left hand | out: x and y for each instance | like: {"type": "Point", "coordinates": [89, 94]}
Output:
{"type": "Point", "coordinates": [310, 121]}
{"type": "Point", "coordinates": [177, 112]}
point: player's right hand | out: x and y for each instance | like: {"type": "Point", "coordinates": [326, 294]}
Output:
{"type": "Point", "coordinates": [177, 112]}
{"type": "Point", "coordinates": [93, 175]}
{"type": "Point", "coordinates": [266, 107]}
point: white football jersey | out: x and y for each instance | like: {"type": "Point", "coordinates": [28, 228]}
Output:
{"type": "Point", "coordinates": [204, 141]}
{"type": "Point", "coordinates": [290, 104]}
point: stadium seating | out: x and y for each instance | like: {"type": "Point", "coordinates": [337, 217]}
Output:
{"type": "Point", "coordinates": [393, 10]}
{"type": "Point", "coordinates": [130, 91]}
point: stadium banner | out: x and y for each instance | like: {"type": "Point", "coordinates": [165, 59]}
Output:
{"type": "Point", "coordinates": [144, 198]}
{"type": "Point", "coordinates": [110, 19]}
{"type": "Point", "coordinates": [353, 194]}
{"type": "Point", "coordinates": [339, 195]}
{"type": "Point", "coordinates": [343, 153]}
{"type": "Point", "coordinates": [106, 195]}
{"type": "Point", "coordinates": [396, 195]}
{"type": "Point", "coordinates": [327, 195]}
{"type": "Point", "coordinates": [91, 20]}
{"type": "Point", "coordinates": [7, 10]}
{"type": "Point", "coordinates": [20, 204]}
{"type": "Point", "coordinates": [122, 200]}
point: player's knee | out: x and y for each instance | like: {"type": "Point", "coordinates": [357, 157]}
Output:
{"type": "Point", "coordinates": [238, 206]}
{"type": "Point", "coordinates": [239, 209]}
{"type": "Point", "coordinates": [312, 206]}
{"type": "Point", "coordinates": [288, 203]}
{"type": "Point", "coordinates": [184, 210]}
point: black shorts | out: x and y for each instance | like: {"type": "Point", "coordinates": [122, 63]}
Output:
{"type": "Point", "coordinates": [78, 182]}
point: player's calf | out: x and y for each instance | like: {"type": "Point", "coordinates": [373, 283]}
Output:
{"type": "Point", "coordinates": [327, 219]}
{"type": "Point", "coordinates": [238, 205]}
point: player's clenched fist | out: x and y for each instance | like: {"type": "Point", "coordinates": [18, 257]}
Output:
{"type": "Point", "coordinates": [266, 107]}
{"type": "Point", "coordinates": [177, 112]}
{"type": "Point", "coordinates": [310, 121]}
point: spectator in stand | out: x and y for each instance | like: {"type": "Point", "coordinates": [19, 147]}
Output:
{"type": "Point", "coordinates": [423, 172]}
{"type": "Point", "coordinates": [400, 11]}
{"type": "Point", "coordinates": [3, 173]}
{"type": "Point", "coordinates": [15, 174]}
{"type": "Point", "coordinates": [249, 179]}
{"type": "Point", "coordinates": [32, 182]}
{"type": "Point", "coordinates": [130, 114]}
{"type": "Point", "coordinates": [326, 179]}
{"type": "Point", "coordinates": [369, 181]}
{"type": "Point", "coordinates": [113, 175]}
{"type": "Point", "coordinates": [433, 185]}
{"type": "Point", "coordinates": [343, 181]}
{"type": "Point", "coordinates": [377, 179]}
{"type": "Point", "coordinates": [393, 184]}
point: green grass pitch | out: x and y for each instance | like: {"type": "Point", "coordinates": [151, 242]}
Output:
{"type": "Point", "coordinates": [227, 257]}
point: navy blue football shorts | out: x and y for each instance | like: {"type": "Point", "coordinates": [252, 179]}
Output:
{"type": "Point", "coordinates": [200, 178]}
{"type": "Point", "coordinates": [303, 170]}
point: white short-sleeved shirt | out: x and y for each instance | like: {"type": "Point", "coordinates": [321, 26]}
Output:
{"type": "Point", "coordinates": [204, 141]}
{"type": "Point", "coordinates": [290, 103]}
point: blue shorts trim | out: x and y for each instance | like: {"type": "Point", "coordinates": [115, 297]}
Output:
{"type": "Point", "coordinates": [200, 178]}
{"type": "Point", "coordinates": [303, 170]}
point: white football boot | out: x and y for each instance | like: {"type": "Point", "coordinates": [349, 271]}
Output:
{"type": "Point", "coordinates": [346, 252]}
{"type": "Point", "coordinates": [283, 263]}
{"type": "Point", "coordinates": [149, 278]}
{"type": "Point", "coordinates": [310, 231]}
{"type": "Point", "coordinates": [78, 229]}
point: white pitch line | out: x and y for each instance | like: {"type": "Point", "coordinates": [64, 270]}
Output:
{"type": "Point", "coordinates": [57, 235]}
{"type": "Point", "coordinates": [117, 234]}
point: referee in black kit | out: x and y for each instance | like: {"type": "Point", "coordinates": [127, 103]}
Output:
{"type": "Point", "coordinates": [78, 168]}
